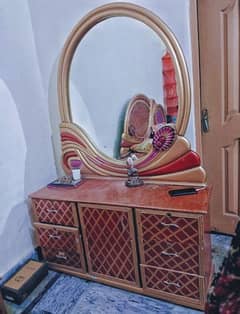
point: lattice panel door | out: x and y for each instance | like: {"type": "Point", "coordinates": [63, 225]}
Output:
{"type": "Point", "coordinates": [110, 244]}
{"type": "Point", "coordinates": [169, 241]}
{"type": "Point", "coordinates": [61, 245]}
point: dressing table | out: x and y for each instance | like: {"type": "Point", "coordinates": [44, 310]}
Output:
{"type": "Point", "coordinates": [136, 238]}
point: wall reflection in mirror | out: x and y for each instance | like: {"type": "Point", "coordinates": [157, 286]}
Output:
{"type": "Point", "coordinates": [122, 86]}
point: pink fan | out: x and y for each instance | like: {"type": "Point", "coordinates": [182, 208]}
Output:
{"type": "Point", "coordinates": [164, 138]}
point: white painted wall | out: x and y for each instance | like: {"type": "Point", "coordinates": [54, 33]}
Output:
{"type": "Point", "coordinates": [32, 35]}
{"type": "Point", "coordinates": [26, 159]}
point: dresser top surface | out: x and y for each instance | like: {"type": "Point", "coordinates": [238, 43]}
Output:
{"type": "Point", "coordinates": [111, 192]}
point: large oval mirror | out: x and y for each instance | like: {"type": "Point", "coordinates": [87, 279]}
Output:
{"type": "Point", "coordinates": [113, 81]}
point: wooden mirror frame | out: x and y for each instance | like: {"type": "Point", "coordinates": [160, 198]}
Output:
{"type": "Point", "coordinates": [75, 140]}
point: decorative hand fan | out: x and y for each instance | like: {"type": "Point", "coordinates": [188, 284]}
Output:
{"type": "Point", "coordinates": [164, 137]}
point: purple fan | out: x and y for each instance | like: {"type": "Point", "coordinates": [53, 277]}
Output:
{"type": "Point", "coordinates": [164, 138]}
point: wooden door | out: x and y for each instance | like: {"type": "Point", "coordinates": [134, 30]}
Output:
{"type": "Point", "coordinates": [108, 235]}
{"type": "Point", "coordinates": [219, 73]}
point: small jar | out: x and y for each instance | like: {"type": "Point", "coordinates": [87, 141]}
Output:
{"type": "Point", "coordinates": [76, 169]}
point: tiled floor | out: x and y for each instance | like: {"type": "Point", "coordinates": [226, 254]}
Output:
{"type": "Point", "coordinates": [71, 295]}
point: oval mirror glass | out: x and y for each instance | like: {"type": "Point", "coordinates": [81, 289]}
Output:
{"type": "Point", "coordinates": [116, 59]}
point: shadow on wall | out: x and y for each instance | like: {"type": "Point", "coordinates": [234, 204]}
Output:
{"type": "Point", "coordinates": [80, 113]}
{"type": "Point", "coordinates": [55, 118]}
{"type": "Point", "coordinates": [17, 236]}
{"type": "Point", "coordinates": [13, 214]}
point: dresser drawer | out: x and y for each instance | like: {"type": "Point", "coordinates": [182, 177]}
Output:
{"type": "Point", "coordinates": [55, 212]}
{"type": "Point", "coordinates": [164, 281]}
{"type": "Point", "coordinates": [172, 255]}
{"type": "Point", "coordinates": [65, 258]}
{"type": "Point", "coordinates": [168, 226]}
{"type": "Point", "coordinates": [61, 245]}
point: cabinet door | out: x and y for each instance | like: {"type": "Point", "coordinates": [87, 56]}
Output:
{"type": "Point", "coordinates": [108, 236]}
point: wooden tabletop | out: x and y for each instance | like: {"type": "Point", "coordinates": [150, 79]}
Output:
{"type": "Point", "coordinates": [114, 192]}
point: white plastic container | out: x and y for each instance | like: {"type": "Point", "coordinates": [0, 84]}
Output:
{"type": "Point", "coordinates": [76, 169]}
{"type": "Point", "coordinates": [76, 174]}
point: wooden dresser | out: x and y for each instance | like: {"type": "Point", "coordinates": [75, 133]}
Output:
{"type": "Point", "coordinates": [139, 239]}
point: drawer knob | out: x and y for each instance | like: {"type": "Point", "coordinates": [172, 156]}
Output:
{"type": "Point", "coordinates": [61, 255]}
{"type": "Point", "coordinates": [169, 225]}
{"type": "Point", "coordinates": [52, 211]}
{"type": "Point", "coordinates": [169, 283]}
{"type": "Point", "coordinates": [169, 254]}
{"type": "Point", "coordinates": [54, 236]}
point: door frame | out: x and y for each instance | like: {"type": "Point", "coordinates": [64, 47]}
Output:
{"type": "Point", "coordinates": [196, 83]}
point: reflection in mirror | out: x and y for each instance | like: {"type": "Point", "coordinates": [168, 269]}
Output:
{"type": "Point", "coordinates": [117, 59]}
{"type": "Point", "coordinates": [143, 117]}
